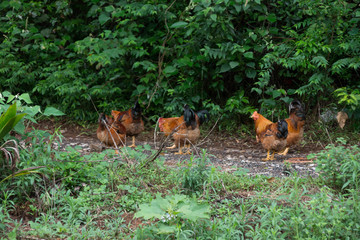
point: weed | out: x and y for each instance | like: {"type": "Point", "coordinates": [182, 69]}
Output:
{"type": "Point", "coordinates": [339, 165]}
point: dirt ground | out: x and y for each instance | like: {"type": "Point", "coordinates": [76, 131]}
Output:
{"type": "Point", "coordinates": [230, 153]}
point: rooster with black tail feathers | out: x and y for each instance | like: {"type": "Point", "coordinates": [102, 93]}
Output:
{"type": "Point", "coordinates": [186, 128]}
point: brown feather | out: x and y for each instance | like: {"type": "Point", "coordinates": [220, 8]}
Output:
{"type": "Point", "coordinates": [113, 133]}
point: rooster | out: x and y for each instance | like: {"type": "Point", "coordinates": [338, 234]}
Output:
{"type": "Point", "coordinates": [132, 120]}
{"type": "Point", "coordinates": [296, 122]}
{"type": "Point", "coordinates": [261, 124]}
{"type": "Point", "coordinates": [185, 128]}
{"type": "Point", "coordinates": [111, 131]}
{"type": "Point", "coordinates": [274, 138]}
{"type": "Point", "coordinates": [271, 135]}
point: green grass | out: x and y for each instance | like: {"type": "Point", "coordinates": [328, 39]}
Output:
{"type": "Point", "coordinates": [100, 196]}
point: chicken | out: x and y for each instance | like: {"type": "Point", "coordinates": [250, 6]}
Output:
{"type": "Point", "coordinates": [296, 122]}
{"type": "Point", "coordinates": [186, 127]}
{"type": "Point", "coordinates": [274, 138]}
{"type": "Point", "coordinates": [271, 135]}
{"type": "Point", "coordinates": [111, 132]}
{"type": "Point", "coordinates": [132, 120]}
{"type": "Point", "coordinates": [261, 124]}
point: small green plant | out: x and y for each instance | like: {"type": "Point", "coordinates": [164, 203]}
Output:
{"type": "Point", "coordinates": [8, 120]}
{"type": "Point", "coordinates": [173, 213]}
{"type": "Point", "coordinates": [349, 98]}
{"type": "Point", "coordinates": [195, 173]}
{"type": "Point", "coordinates": [24, 108]}
{"type": "Point", "coordinates": [339, 165]}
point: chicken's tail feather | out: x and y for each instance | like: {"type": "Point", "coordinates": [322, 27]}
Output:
{"type": "Point", "coordinates": [136, 111]}
{"type": "Point", "coordinates": [189, 116]}
{"type": "Point", "coordinates": [204, 116]}
{"type": "Point", "coordinates": [282, 129]}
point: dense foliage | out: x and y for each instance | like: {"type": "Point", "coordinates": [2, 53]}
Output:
{"type": "Point", "coordinates": [230, 56]}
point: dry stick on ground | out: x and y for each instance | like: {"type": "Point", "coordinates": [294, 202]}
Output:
{"type": "Point", "coordinates": [203, 140]}
{"type": "Point", "coordinates": [154, 156]}
{"type": "Point", "coordinates": [155, 131]}
{"type": "Point", "coordinates": [194, 146]}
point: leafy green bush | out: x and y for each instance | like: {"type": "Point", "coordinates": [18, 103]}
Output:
{"type": "Point", "coordinates": [339, 165]}
{"type": "Point", "coordinates": [235, 55]}
{"type": "Point", "coordinates": [175, 213]}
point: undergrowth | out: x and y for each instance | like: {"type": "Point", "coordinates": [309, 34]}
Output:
{"type": "Point", "coordinates": [101, 195]}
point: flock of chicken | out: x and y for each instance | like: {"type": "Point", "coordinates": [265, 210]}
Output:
{"type": "Point", "coordinates": [274, 137]}
{"type": "Point", "coordinates": [112, 130]}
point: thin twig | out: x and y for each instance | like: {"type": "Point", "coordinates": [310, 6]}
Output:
{"type": "Point", "coordinates": [161, 56]}
{"type": "Point", "coordinates": [203, 140]}
{"type": "Point", "coordinates": [154, 156]}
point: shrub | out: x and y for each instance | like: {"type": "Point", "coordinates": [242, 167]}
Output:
{"type": "Point", "coordinates": [339, 165]}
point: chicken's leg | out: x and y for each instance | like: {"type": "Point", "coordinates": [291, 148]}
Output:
{"type": "Point", "coordinates": [172, 147]}
{"type": "Point", "coordinates": [180, 151]}
{"type": "Point", "coordinates": [133, 142]}
{"type": "Point", "coordinates": [284, 152]}
{"type": "Point", "coordinates": [268, 156]}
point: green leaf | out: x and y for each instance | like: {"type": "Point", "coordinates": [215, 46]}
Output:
{"type": "Point", "coordinates": [179, 24]}
{"type": "Point", "coordinates": [193, 211]}
{"type": "Point", "coordinates": [234, 64]}
{"type": "Point", "coordinates": [109, 9]}
{"type": "Point", "coordinates": [271, 18]}
{"type": "Point", "coordinates": [250, 73]}
{"type": "Point", "coordinates": [249, 55]}
{"type": "Point", "coordinates": [170, 70]}
{"type": "Point", "coordinates": [103, 18]}
{"type": "Point", "coordinates": [51, 111]}
{"type": "Point", "coordinates": [276, 93]}
{"type": "Point", "coordinates": [261, 18]}
{"type": "Point", "coordinates": [22, 172]}
{"type": "Point", "coordinates": [5, 117]}
{"type": "Point", "coordinates": [26, 98]}
{"type": "Point", "coordinates": [19, 128]}
{"type": "Point", "coordinates": [140, 89]}
{"type": "Point", "coordinates": [10, 125]}
{"type": "Point", "coordinates": [213, 17]}
{"type": "Point", "coordinates": [238, 78]}
{"type": "Point", "coordinates": [165, 229]}
{"type": "Point", "coordinates": [225, 67]}
{"type": "Point", "coordinates": [6, 128]}
{"type": "Point", "coordinates": [32, 111]}
{"type": "Point", "coordinates": [10, 98]}
{"type": "Point", "coordinates": [156, 209]}
{"type": "Point", "coordinates": [237, 7]}
{"type": "Point", "coordinates": [258, 90]}
{"type": "Point", "coordinates": [8, 120]}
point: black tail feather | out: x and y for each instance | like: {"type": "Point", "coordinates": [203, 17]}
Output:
{"type": "Point", "coordinates": [282, 129]}
{"type": "Point", "coordinates": [297, 107]}
{"type": "Point", "coordinates": [189, 116]}
{"type": "Point", "coordinates": [136, 111]}
{"type": "Point", "coordinates": [204, 116]}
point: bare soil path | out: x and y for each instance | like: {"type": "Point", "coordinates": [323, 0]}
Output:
{"type": "Point", "coordinates": [230, 153]}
